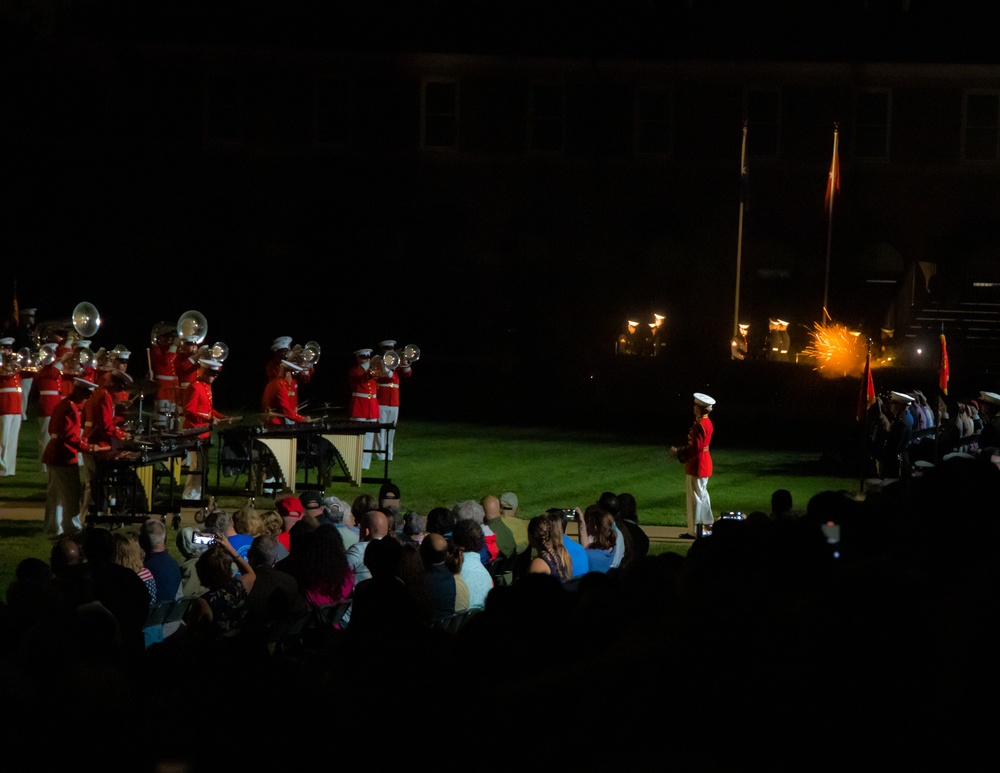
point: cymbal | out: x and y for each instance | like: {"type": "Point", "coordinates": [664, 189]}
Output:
{"type": "Point", "coordinates": [144, 387]}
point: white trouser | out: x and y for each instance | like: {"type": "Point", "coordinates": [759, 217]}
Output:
{"type": "Point", "coordinates": [388, 414]}
{"type": "Point", "coordinates": [369, 443]}
{"type": "Point", "coordinates": [89, 479]}
{"type": "Point", "coordinates": [25, 393]}
{"type": "Point", "coordinates": [62, 501]}
{"type": "Point", "coordinates": [10, 430]}
{"type": "Point", "coordinates": [193, 481]}
{"type": "Point", "coordinates": [699, 506]}
{"type": "Point", "coordinates": [43, 438]}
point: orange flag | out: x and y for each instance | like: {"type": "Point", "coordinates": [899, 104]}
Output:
{"type": "Point", "coordinates": [833, 181]}
{"type": "Point", "coordinates": [943, 372]}
{"type": "Point", "coordinates": [867, 397]}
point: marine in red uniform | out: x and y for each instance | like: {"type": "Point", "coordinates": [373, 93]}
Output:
{"type": "Point", "coordinates": [198, 412]}
{"type": "Point", "coordinates": [101, 428]}
{"type": "Point", "coordinates": [279, 351]}
{"type": "Point", "coordinates": [162, 356]}
{"type": "Point", "coordinates": [698, 467]}
{"type": "Point", "coordinates": [10, 407]}
{"type": "Point", "coordinates": [61, 459]}
{"type": "Point", "coordinates": [186, 368]}
{"type": "Point", "coordinates": [364, 399]}
{"type": "Point", "coordinates": [388, 396]}
{"type": "Point", "coordinates": [47, 384]}
{"type": "Point", "coordinates": [278, 396]}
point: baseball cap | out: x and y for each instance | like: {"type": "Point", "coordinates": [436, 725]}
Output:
{"type": "Point", "coordinates": [311, 499]}
{"type": "Point", "coordinates": [508, 501]}
{"type": "Point", "coordinates": [289, 507]}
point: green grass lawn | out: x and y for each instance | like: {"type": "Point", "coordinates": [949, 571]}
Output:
{"type": "Point", "coordinates": [439, 464]}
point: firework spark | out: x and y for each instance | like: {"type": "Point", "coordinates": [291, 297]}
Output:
{"type": "Point", "coordinates": [836, 350]}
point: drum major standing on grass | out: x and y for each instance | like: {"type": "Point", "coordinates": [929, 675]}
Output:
{"type": "Point", "coordinates": [697, 463]}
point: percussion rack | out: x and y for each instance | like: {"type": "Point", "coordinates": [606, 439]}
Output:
{"type": "Point", "coordinates": [344, 437]}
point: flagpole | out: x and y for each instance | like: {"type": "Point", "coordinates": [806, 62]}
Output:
{"type": "Point", "coordinates": [739, 238]}
{"type": "Point", "coordinates": [864, 420]}
{"type": "Point", "coordinates": [832, 184]}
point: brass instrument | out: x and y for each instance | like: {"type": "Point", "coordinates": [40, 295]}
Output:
{"type": "Point", "coordinates": [161, 329]}
{"type": "Point", "coordinates": [304, 356]}
{"type": "Point", "coordinates": [391, 359]}
{"type": "Point", "coordinates": [217, 351]}
{"type": "Point", "coordinates": [411, 353]}
{"type": "Point", "coordinates": [86, 319]}
{"type": "Point", "coordinates": [192, 326]}
{"type": "Point", "coordinates": [10, 362]}
{"type": "Point", "coordinates": [378, 367]}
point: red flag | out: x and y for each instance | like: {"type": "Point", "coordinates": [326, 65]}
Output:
{"type": "Point", "coordinates": [943, 372]}
{"type": "Point", "coordinates": [833, 181]}
{"type": "Point", "coordinates": [866, 399]}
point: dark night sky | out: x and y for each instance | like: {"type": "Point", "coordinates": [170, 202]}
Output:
{"type": "Point", "coordinates": [73, 244]}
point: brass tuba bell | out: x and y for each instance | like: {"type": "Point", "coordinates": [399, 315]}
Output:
{"type": "Point", "coordinates": [411, 353]}
{"type": "Point", "coordinates": [86, 319]}
{"type": "Point", "coordinates": [192, 326]}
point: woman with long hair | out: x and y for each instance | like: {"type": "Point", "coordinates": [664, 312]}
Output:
{"type": "Point", "coordinates": [599, 537]}
{"type": "Point", "coordinates": [127, 553]}
{"type": "Point", "coordinates": [325, 577]}
{"type": "Point", "coordinates": [545, 537]}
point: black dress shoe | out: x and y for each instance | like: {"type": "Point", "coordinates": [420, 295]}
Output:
{"type": "Point", "coordinates": [685, 536]}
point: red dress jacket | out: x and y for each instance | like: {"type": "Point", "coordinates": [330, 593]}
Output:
{"type": "Point", "coordinates": [364, 393]}
{"type": "Point", "coordinates": [10, 394]}
{"type": "Point", "coordinates": [277, 399]}
{"type": "Point", "coordinates": [162, 361]}
{"type": "Point", "coordinates": [99, 426]}
{"type": "Point", "coordinates": [186, 369]}
{"type": "Point", "coordinates": [198, 408]}
{"type": "Point", "coordinates": [65, 442]}
{"type": "Point", "coordinates": [48, 383]}
{"type": "Point", "coordinates": [388, 388]}
{"type": "Point", "coordinates": [695, 455]}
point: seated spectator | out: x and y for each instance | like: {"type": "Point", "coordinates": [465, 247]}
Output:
{"type": "Point", "coordinates": [163, 566]}
{"type": "Point", "coordinates": [383, 610]}
{"type": "Point", "coordinates": [470, 509]}
{"type": "Point", "coordinates": [414, 528]}
{"type": "Point", "coordinates": [468, 537]}
{"type": "Point", "coordinates": [290, 509]}
{"type": "Point", "coordinates": [577, 553]}
{"type": "Point", "coordinates": [447, 592]}
{"type": "Point", "coordinates": [275, 594]}
{"type": "Point", "coordinates": [552, 558]}
{"type": "Point", "coordinates": [273, 525]}
{"type": "Point", "coordinates": [598, 537]}
{"type": "Point", "coordinates": [441, 520]}
{"type": "Point", "coordinates": [127, 553]}
{"type": "Point", "coordinates": [222, 610]}
{"type": "Point", "coordinates": [628, 523]}
{"type": "Point", "coordinates": [325, 576]}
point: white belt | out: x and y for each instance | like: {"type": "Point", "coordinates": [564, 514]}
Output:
{"type": "Point", "coordinates": [362, 394]}
{"type": "Point", "coordinates": [167, 378]}
{"type": "Point", "coordinates": [388, 386]}
{"type": "Point", "coordinates": [11, 389]}
{"type": "Point", "coordinates": [48, 392]}
{"type": "Point", "coordinates": [185, 384]}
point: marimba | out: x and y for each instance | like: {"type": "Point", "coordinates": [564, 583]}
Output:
{"type": "Point", "coordinates": [124, 488]}
{"type": "Point", "coordinates": [282, 444]}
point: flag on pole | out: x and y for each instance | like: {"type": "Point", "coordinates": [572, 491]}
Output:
{"type": "Point", "coordinates": [833, 181]}
{"type": "Point", "coordinates": [866, 399]}
{"type": "Point", "coordinates": [943, 371]}
{"type": "Point", "coordinates": [744, 173]}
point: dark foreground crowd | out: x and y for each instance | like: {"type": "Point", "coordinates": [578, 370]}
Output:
{"type": "Point", "coordinates": [853, 633]}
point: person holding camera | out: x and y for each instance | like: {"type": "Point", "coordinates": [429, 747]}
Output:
{"type": "Point", "coordinates": [697, 463]}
